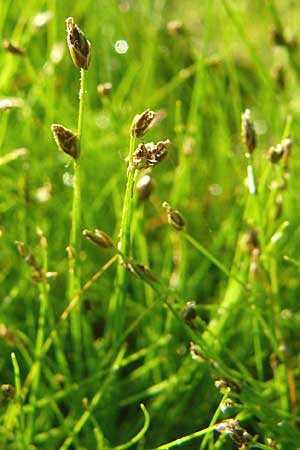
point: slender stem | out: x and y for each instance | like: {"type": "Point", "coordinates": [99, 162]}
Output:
{"type": "Point", "coordinates": [116, 306]}
{"type": "Point", "coordinates": [184, 439]}
{"type": "Point", "coordinates": [124, 240]}
{"type": "Point", "coordinates": [140, 434]}
{"type": "Point", "coordinates": [213, 259]}
{"type": "Point", "coordinates": [93, 404]}
{"type": "Point", "coordinates": [19, 401]}
{"type": "Point", "coordinates": [214, 419]}
{"type": "Point", "coordinates": [75, 238]}
{"type": "Point", "coordinates": [253, 191]}
{"type": "Point", "coordinates": [43, 291]}
{"type": "Point", "coordinates": [38, 357]}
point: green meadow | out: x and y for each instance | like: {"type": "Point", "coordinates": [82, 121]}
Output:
{"type": "Point", "coordinates": [149, 224]}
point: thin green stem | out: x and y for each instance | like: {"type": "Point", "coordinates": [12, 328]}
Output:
{"type": "Point", "coordinates": [75, 237]}
{"type": "Point", "coordinates": [43, 293]}
{"type": "Point", "coordinates": [213, 259]}
{"type": "Point", "coordinates": [38, 358]}
{"type": "Point", "coordinates": [140, 434]}
{"type": "Point", "coordinates": [94, 402]}
{"type": "Point", "coordinates": [185, 439]}
{"type": "Point", "coordinates": [214, 419]}
{"type": "Point", "coordinates": [19, 402]}
{"type": "Point", "coordinates": [116, 306]}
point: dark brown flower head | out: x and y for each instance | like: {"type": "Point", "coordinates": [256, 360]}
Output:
{"type": "Point", "coordinates": [147, 155]}
{"type": "Point", "coordinates": [189, 313]}
{"type": "Point", "coordinates": [142, 122]}
{"type": "Point", "coordinates": [66, 140]}
{"type": "Point", "coordinates": [275, 153]}
{"type": "Point", "coordinates": [79, 46]}
{"type": "Point", "coordinates": [99, 238]}
{"type": "Point", "coordinates": [175, 219]}
{"type": "Point", "coordinates": [37, 273]}
{"type": "Point", "coordinates": [234, 430]}
{"type": "Point", "coordinates": [156, 152]}
{"type": "Point", "coordinates": [139, 159]}
{"type": "Point", "coordinates": [139, 271]}
{"type": "Point", "coordinates": [12, 48]}
{"type": "Point", "coordinates": [277, 37]}
{"type": "Point", "coordinates": [248, 131]}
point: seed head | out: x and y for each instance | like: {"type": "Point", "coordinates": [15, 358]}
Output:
{"type": "Point", "coordinates": [227, 404]}
{"type": "Point", "coordinates": [7, 391]}
{"type": "Point", "coordinates": [139, 271]}
{"type": "Point", "coordinates": [277, 37]}
{"type": "Point", "coordinates": [189, 313]}
{"type": "Point", "coordinates": [248, 131]}
{"type": "Point", "coordinates": [99, 238]}
{"type": "Point", "coordinates": [147, 155]}
{"type": "Point", "coordinates": [145, 186]}
{"type": "Point", "coordinates": [12, 48]}
{"type": "Point", "coordinates": [142, 122]}
{"type": "Point", "coordinates": [234, 430]}
{"type": "Point", "coordinates": [66, 140]}
{"type": "Point", "coordinates": [175, 27]}
{"type": "Point", "coordinates": [275, 153]}
{"type": "Point", "coordinates": [175, 219]}
{"type": "Point", "coordinates": [223, 384]}
{"type": "Point", "coordinates": [79, 46]}
{"type": "Point", "coordinates": [104, 89]}
{"type": "Point", "coordinates": [37, 273]}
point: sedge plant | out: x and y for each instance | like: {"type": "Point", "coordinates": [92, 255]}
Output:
{"type": "Point", "coordinates": [70, 143]}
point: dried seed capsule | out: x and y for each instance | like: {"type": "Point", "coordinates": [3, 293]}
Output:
{"type": "Point", "coordinates": [139, 158]}
{"type": "Point", "coordinates": [277, 37]}
{"type": "Point", "coordinates": [66, 140]}
{"type": "Point", "coordinates": [227, 404]}
{"type": "Point", "coordinates": [79, 46]}
{"type": "Point", "coordinates": [139, 271]}
{"type": "Point", "coordinates": [145, 186]}
{"type": "Point", "coordinates": [248, 131]}
{"type": "Point", "coordinates": [7, 391]}
{"type": "Point", "coordinates": [275, 153]}
{"type": "Point", "coordinates": [12, 48]}
{"type": "Point", "coordinates": [99, 238]}
{"type": "Point", "coordinates": [142, 122]}
{"type": "Point", "coordinates": [147, 155]}
{"type": "Point", "coordinates": [37, 273]}
{"type": "Point", "coordinates": [175, 219]}
{"type": "Point", "coordinates": [104, 89]}
{"type": "Point", "coordinates": [189, 313]}
{"type": "Point", "coordinates": [234, 430]}
{"type": "Point", "coordinates": [223, 384]}
{"type": "Point", "coordinates": [156, 152]}
{"type": "Point", "coordinates": [175, 27]}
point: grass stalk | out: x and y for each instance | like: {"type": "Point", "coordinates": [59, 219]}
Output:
{"type": "Point", "coordinates": [19, 402]}
{"type": "Point", "coordinates": [117, 302]}
{"type": "Point", "coordinates": [75, 236]}
{"type": "Point", "coordinates": [213, 259]}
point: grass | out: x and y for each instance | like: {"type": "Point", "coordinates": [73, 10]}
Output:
{"type": "Point", "coordinates": [196, 344]}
